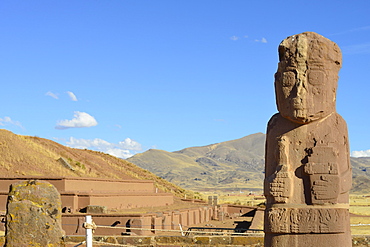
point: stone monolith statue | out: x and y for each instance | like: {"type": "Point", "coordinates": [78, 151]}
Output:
{"type": "Point", "coordinates": [307, 171]}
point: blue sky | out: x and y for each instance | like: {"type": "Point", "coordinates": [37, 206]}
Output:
{"type": "Point", "coordinates": [125, 76]}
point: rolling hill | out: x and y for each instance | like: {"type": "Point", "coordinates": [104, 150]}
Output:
{"type": "Point", "coordinates": [222, 166]}
{"type": "Point", "coordinates": [25, 156]}
{"type": "Point", "coordinates": [230, 165]}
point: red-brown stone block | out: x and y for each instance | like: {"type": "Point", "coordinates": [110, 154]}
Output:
{"type": "Point", "coordinates": [307, 171]}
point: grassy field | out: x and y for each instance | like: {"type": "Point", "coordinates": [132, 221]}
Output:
{"type": "Point", "coordinates": [359, 208]}
{"type": "Point", "coordinates": [237, 198]}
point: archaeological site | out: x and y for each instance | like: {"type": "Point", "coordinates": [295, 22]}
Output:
{"type": "Point", "coordinates": [307, 179]}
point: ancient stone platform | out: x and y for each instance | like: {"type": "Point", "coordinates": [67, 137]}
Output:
{"type": "Point", "coordinates": [78, 193]}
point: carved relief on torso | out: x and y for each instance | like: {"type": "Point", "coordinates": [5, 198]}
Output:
{"type": "Point", "coordinates": [312, 157]}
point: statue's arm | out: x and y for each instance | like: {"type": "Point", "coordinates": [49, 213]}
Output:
{"type": "Point", "coordinates": [277, 185]}
{"type": "Point", "coordinates": [345, 162]}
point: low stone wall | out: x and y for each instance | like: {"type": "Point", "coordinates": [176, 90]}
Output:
{"type": "Point", "coordinates": [170, 220]}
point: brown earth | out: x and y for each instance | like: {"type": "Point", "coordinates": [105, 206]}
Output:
{"type": "Point", "coordinates": [33, 156]}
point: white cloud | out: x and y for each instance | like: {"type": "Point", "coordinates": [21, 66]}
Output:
{"type": "Point", "coordinates": [8, 121]}
{"type": "Point", "coordinates": [362, 153]}
{"type": "Point", "coordinates": [72, 96]}
{"type": "Point", "coordinates": [85, 143]}
{"type": "Point", "coordinates": [234, 38]}
{"type": "Point", "coordinates": [53, 95]}
{"type": "Point", "coordinates": [263, 40]}
{"type": "Point", "coordinates": [59, 139]}
{"type": "Point", "coordinates": [80, 120]}
{"type": "Point", "coordinates": [5, 120]}
{"type": "Point", "coordinates": [120, 153]}
{"type": "Point", "coordinates": [123, 149]}
{"type": "Point", "coordinates": [130, 144]}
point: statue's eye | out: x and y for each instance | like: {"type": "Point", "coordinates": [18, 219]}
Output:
{"type": "Point", "coordinates": [316, 77]}
{"type": "Point", "coordinates": [288, 79]}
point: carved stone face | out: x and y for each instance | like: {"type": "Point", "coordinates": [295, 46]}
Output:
{"type": "Point", "coordinates": [306, 80]}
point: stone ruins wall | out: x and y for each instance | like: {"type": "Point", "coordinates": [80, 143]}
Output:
{"type": "Point", "coordinates": [78, 193]}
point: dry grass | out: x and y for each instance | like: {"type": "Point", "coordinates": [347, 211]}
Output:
{"type": "Point", "coordinates": [33, 156]}
{"type": "Point", "coordinates": [360, 221]}
{"type": "Point", "coordinates": [236, 198]}
{"type": "Point", "coordinates": [360, 205]}
{"type": "Point", "coordinates": [360, 225]}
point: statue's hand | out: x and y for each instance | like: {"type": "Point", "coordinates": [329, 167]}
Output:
{"type": "Point", "coordinates": [279, 186]}
{"type": "Point", "coordinates": [325, 188]}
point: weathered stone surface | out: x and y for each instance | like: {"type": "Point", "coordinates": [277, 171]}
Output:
{"type": "Point", "coordinates": [33, 215]}
{"type": "Point", "coordinates": [307, 220]}
{"type": "Point", "coordinates": [307, 170]}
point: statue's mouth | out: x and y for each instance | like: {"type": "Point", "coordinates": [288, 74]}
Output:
{"type": "Point", "coordinates": [297, 103]}
{"type": "Point", "coordinates": [298, 107]}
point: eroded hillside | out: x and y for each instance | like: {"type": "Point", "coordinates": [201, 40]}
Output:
{"type": "Point", "coordinates": [33, 156]}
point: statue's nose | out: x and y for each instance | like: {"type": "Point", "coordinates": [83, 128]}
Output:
{"type": "Point", "coordinates": [301, 90]}
{"type": "Point", "coordinates": [299, 96]}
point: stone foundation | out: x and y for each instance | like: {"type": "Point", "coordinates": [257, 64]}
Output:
{"type": "Point", "coordinates": [78, 193]}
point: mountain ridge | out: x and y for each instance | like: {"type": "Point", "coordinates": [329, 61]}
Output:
{"type": "Point", "coordinates": [231, 165]}
{"type": "Point", "coordinates": [231, 162]}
